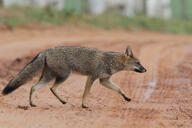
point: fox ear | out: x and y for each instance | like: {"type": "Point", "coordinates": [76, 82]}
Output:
{"type": "Point", "coordinates": [128, 51]}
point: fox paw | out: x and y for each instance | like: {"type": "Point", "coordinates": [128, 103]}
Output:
{"type": "Point", "coordinates": [32, 105]}
{"type": "Point", "coordinates": [63, 102]}
{"type": "Point", "coordinates": [84, 106]}
{"type": "Point", "coordinates": [127, 98]}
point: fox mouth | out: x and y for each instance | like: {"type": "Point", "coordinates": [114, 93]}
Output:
{"type": "Point", "coordinates": [136, 70]}
{"type": "Point", "coordinates": [140, 70]}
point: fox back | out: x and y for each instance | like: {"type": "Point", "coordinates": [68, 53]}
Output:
{"type": "Point", "coordinates": [79, 59]}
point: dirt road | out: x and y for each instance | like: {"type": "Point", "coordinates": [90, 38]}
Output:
{"type": "Point", "coordinates": [161, 97]}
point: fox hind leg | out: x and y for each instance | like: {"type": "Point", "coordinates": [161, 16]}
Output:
{"type": "Point", "coordinates": [46, 77]}
{"type": "Point", "coordinates": [34, 89]}
{"type": "Point", "coordinates": [61, 77]}
{"type": "Point", "coordinates": [53, 89]}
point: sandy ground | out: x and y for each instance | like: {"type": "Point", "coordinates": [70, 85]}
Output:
{"type": "Point", "coordinates": [161, 97]}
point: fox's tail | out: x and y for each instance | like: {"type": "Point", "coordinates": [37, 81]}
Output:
{"type": "Point", "coordinates": [26, 74]}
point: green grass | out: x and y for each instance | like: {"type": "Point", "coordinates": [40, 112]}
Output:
{"type": "Point", "coordinates": [17, 16]}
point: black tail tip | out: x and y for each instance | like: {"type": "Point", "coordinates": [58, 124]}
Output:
{"type": "Point", "coordinates": [7, 90]}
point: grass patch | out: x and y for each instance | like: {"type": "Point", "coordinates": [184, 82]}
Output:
{"type": "Point", "coordinates": [15, 16]}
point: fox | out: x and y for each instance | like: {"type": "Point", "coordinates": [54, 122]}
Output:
{"type": "Point", "coordinates": [59, 62]}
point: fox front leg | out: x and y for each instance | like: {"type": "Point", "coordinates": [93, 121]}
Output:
{"type": "Point", "coordinates": [88, 85]}
{"type": "Point", "coordinates": [107, 83]}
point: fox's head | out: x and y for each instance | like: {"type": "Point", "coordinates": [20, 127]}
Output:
{"type": "Point", "coordinates": [131, 63]}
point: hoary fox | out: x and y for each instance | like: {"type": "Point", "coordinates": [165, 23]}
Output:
{"type": "Point", "coordinates": [59, 62]}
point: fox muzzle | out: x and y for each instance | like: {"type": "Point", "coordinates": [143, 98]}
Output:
{"type": "Point", "coordinates": [141, 69]}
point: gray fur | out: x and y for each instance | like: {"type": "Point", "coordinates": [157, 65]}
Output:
{"type": "Point", "coordinates": [59, 62]}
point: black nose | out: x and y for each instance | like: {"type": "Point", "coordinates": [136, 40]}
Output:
{"type": "Point", "coordinates": [144, 70]}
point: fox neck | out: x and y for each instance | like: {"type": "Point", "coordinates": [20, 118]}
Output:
{"type": "Point", "coordinates": [116, 64]}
